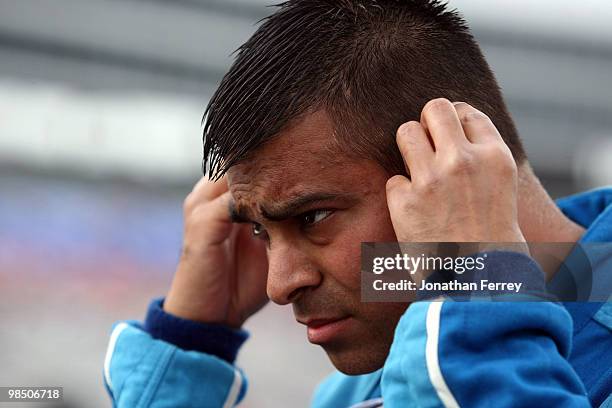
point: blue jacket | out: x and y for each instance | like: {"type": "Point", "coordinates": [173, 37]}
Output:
{"type": "Point", "coordinates": [444, 354]}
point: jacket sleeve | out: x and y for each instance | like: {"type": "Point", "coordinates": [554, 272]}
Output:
{"type": "Point", "coordinates": [153, 366]}
{"type": "Point", "coordinates": [483, 353]}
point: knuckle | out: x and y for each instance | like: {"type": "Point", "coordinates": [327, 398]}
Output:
{"type": "Point", "coordinates": [429, 183]}
{"type": "Point", "coordinates": [397, 187]}
{"type": "Point", "coordinates": [473, 116]}
{"type": "Point", "coordinates": [188, 203]}
{"type": "Point", "coordinates": [407, 127]}
{"type": "Point", "coordinates": [406, 132]}
{"type": "Point", "coordinates": [195, 216]}
{"type": "Point", "coordinates": [463, 162]}
{"type": "Point", "coordinates": [410, 142]}
{"type": "Point", "coordinates": [497, 151]}
{"type": "Point", "coordinates": [395, 184]}
{"type": "Point", "coordinates": [500, 156]}
{"type": "Point", "coordinates": [204, 212]}
{"type": "Point", "coordinates": [437, 104]}
{"type": "Point", "coordinates": [508, 166]}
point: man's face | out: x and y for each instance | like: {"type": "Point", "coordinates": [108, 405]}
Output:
{"type": "Point", "coordinates": [315, 205]}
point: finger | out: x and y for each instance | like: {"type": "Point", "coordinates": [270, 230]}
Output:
{"type": "Point", "coordinates": [396, 187]}
{"type": "Point", "coordinates": [219, 207]}
{"type": "Point", "coordinates": [211, 222]}
{"type": "Point", "coordinates": [440, 118]}
{"type": "Point", "coordinates": [415, 147]}
{"type": "Point", "coordinates": [477, 126]}
{"type": "Point", "coordinates": [208, 190]}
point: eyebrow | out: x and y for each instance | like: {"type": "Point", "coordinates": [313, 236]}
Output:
{"type": "Point", "coordinates": [238, 214]}
{"type": "Point", "coordinates": [291, 208]}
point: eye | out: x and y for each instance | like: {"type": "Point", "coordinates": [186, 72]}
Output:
{"type": "Point", "coordinates": [313, 217]}
{"type": "Point", "coordinates": [258, 230]}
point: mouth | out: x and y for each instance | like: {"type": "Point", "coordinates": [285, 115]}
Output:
{"type": "Point", "coordinates": [322, 331]}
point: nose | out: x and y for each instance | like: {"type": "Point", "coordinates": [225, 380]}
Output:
{"type": "Point", "coordinates": [290, 273]}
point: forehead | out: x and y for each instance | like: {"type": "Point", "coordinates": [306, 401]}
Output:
{"type": "Point", "coordinates": [302, 158]}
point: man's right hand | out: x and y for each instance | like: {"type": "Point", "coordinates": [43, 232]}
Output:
{"type": "Point", "coordinates": [221, 276]}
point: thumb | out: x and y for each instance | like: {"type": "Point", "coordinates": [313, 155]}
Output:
{"type": "Point", "coordinates": [396, 189]}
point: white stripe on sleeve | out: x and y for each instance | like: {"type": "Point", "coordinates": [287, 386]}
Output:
{"type": "Point", "coordinates": [110, 350]}
{"type": "Point", "coordinates": [232, 395]}
{"type": "Point", "coordinates": [431, 356]}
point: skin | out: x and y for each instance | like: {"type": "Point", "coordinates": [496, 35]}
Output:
{"type": "Point", "coordinates": [464, 186]}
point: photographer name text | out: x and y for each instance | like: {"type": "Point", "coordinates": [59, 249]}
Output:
{"type": "Point", "coordinates": [483, 285]}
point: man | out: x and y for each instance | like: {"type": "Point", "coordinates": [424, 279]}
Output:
{"type": "Point", "coordinates": [333, 127]}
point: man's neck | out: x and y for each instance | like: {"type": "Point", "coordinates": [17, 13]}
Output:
{"type": "Point", "coordinates": [541, 220]}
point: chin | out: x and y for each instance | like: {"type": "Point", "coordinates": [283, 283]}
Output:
{"type": "Point", "coordinates": [362, 359]}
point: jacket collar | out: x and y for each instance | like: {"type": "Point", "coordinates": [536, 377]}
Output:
{"type": "Point", "coordinates": [593, 211]}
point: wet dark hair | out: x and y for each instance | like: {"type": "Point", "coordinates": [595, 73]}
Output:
{"type": "Point", "coordinates": [370, 64]}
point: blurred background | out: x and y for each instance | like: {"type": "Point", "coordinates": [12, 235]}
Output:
{"type": "Point", "coordinates": [100, 109]}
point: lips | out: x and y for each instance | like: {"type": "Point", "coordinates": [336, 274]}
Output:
{"type": "Point", "coordinates": [322, 331]}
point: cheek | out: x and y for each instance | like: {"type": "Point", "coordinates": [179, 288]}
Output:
{"type": "Point", "coordinates": [345, 262]}
{"type": "Point", "coordinates": [375, 225]}
{"type": "Point", "coordinates": [343, 257]}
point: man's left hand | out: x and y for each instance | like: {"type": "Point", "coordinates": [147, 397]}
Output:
{"type": "Point", "coordinates": [463, 179]}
